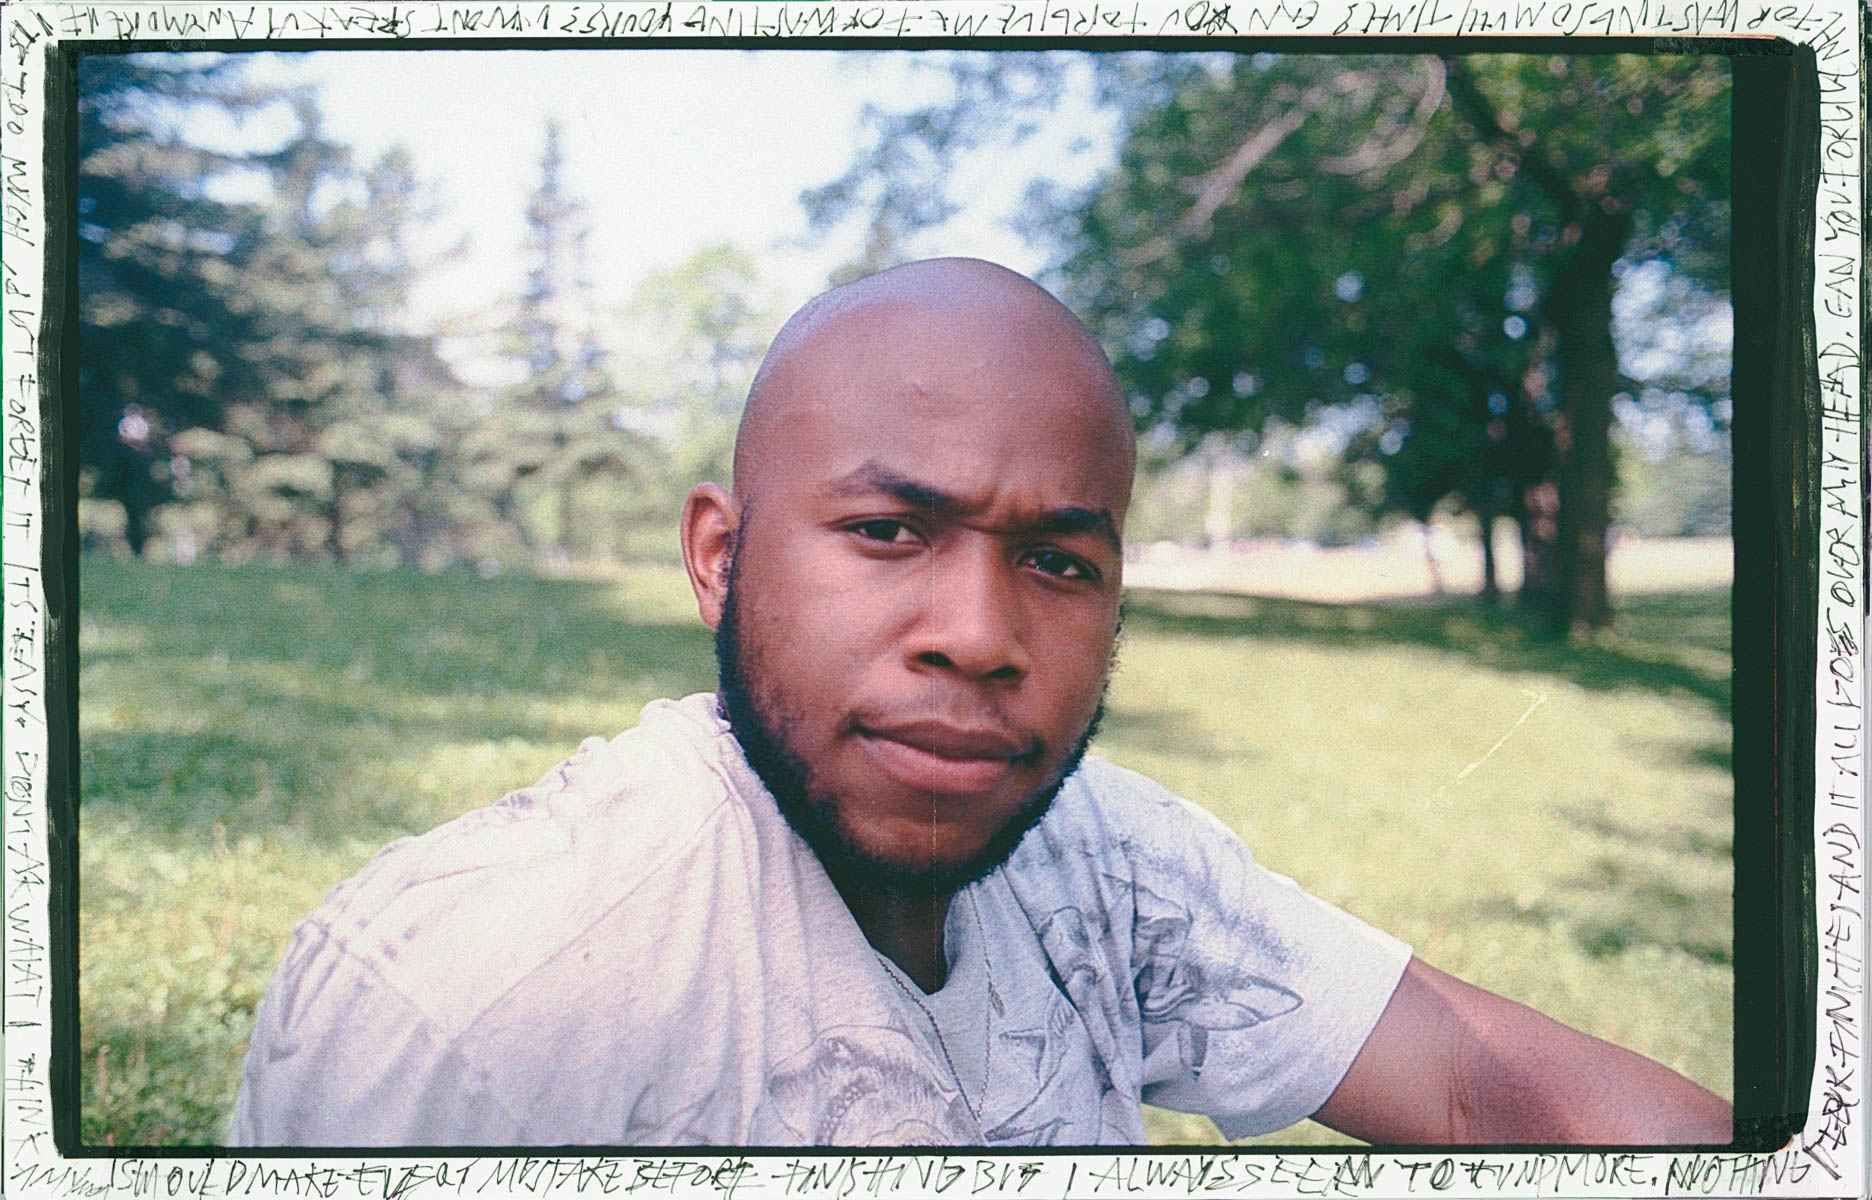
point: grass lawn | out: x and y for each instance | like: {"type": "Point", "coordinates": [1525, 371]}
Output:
{"type": "Point", "coordinates": [1553, 823]}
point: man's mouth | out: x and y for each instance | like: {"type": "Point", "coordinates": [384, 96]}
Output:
{"type": "Point", "coordinates": [944, 758]}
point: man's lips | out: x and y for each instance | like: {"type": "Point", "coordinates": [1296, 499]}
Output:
{"type": "Point", "coordinates": [944, 758]}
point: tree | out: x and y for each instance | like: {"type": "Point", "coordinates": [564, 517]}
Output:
{"type": "Point", "coordinates": [1428, 242]}
{"type": "Point", "coordinates": [313, 353]}
{"type": "Point", "coordinates": [1247, 314]}
{"type": "Point", "coordinates": [246, 369]}
{"type": "Point", "coordinates": [1644, 176]}
{"type": "Point", "coordinates": [693, 336]}
{"type": "Point", "coordinates": [386, 434]}
{"type": "Point", "coordinates": [326, 453]}
{"type": "Point", "coordinates": [899, 182]}
{"type": "Point", "coordinates": [556, 434]}
{"type": "Point", "coordinates": [159, 254]}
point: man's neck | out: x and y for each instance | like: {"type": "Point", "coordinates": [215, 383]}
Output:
{"type": "Point", "coordinates": [907, 931]}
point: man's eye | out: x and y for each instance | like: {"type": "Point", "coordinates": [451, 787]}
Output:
{"type": "Point", "coordinates": [886, 531]}
{"type": "Point", "coordinates": [1060, 565]}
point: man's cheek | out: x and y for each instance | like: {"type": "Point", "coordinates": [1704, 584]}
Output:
{"type": "Point", "coordinates": [1083, 659]}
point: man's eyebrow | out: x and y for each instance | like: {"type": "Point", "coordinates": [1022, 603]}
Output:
{"type": "Point", "coordinates": [1073, 519]}
{"type": "Point", "coordinates": [873, 479]}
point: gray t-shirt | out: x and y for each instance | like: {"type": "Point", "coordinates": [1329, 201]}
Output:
{"type": "Point", "coordinates": [638, 950]}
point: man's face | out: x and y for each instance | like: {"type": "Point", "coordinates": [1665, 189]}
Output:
{"type": "Point", "coordinates": [924, 593]}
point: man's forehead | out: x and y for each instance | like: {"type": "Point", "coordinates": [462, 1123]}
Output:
{"type": "Point", "coordinates": [1020, 451]}
{"type": "Point", "coordinates": [930, 338]}
{"type": "Point", "coordinates": [963, 354]}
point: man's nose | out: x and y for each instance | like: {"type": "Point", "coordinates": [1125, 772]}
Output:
{"type": "Point", "coordinates": [972, 622]}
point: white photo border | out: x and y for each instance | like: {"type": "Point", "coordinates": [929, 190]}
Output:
{"type": "Point", "coordinates": [1826, 1158]}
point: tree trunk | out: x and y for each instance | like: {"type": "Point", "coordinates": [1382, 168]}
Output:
{"type": "Point", "coordinates": [1430, 559]}
{"type": "Point", "coordinates": [334, 523]}
{"type": "Point", "coordinates": [1485, 517]}
{"type": "Point", "coordinates": [1580, 308]}
{"type": "Point", "coordinates": [507, 512]}
{"type": "Point", "coordinates": [137, 524]}
{"type": "Point", "coordinates": [127, 477]}
{"type": "Point", "coordinates": [1219, 520]}
{"type": "Point", "coordinates": [1537, 520]}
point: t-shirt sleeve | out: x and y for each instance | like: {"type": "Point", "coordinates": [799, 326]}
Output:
{"type": "Point", "coordinates": [1253, 996]}
{"type": "Point", "coordinates": [340, 1059]}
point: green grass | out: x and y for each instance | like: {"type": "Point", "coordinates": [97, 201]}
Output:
{"type": "Point", "coordinates": [252, 735]}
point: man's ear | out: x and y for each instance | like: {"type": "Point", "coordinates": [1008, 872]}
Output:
{"type": "Point", "coordinates": [710, 520]}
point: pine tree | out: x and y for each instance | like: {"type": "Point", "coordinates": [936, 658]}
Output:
{"type": "Point", "coordinates": [245, 366]}
{"type": "Point", "coordinates": [159, 255]}
{"type": "Point", "coordinates": [556, 435]}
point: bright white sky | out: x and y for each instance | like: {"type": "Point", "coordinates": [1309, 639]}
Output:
{"type": "Point", "coordinates": [670, 151]}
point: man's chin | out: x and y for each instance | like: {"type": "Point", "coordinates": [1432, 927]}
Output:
{"type": "Point", "coordinates": [895, 851]}
{"type": "Point", "coordinates": [902, 867]}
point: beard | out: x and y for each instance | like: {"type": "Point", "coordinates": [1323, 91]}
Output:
{"type": "Point", "coordinates": [813, 811]}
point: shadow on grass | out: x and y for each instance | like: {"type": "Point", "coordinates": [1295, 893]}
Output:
{"type": "Point", "coordinates": [430, 634]}
{"type": "Point", "coordinates": [1654, 916]}
{"type": "Point", "coordinates": [1626, 897]}
{"type": "Point", "coordinates": [1646, 652]}
{"type": "Point", "coordinates": [1690, 843]}
{"type": "Point", "coordinates": [312, 668]}
{"type": "Point", "coordinates": [251, 697]}
{"type": "Point", "coordinates": [1674, 644]}
{"type": "Point", "coordinates": [1716, 757]}
{"type": "Point", "coordinates": [189, 782]}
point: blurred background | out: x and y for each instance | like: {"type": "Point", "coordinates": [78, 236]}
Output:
{"type": "Point", "coordinates": [395, 369]}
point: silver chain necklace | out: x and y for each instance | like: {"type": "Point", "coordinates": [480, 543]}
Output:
{"type": "Point", "coordinates": [891, 969]}
{"type": "Point", "coordinates": [994, 997]}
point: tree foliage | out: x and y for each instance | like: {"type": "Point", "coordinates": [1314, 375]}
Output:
{"type": "Point", "coordinates": [246, 385]}
{"type": "Point", "coordinates": [698, 331]}
{"type": "Point", "coordinates": [159, 262]}
{"type": "Point", "coordinates": [555, 436]}
{"type": "Point", "coordinates": [255, 381]}
{"type": "Point", "coordinates": [1426, 244]}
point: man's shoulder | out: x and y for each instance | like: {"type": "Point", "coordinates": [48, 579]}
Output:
{"type": "Point", "coordinates": [564, 944]}
{"type": "Point", "coordinates": [454, 917]}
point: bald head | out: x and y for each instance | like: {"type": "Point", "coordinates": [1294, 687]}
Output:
{"type": "Point", "coordinates": [959, 330]}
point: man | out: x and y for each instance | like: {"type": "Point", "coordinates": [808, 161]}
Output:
{"type": "Point", "coordinates": [871, 894]}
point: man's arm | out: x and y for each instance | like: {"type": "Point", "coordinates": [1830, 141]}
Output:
{"type": "Point", "coordinates": [1449, 1063]}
